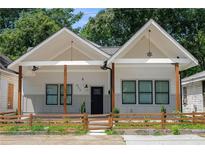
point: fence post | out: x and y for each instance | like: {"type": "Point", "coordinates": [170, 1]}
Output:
{"type": "Point", "coordinates": [110, 119]}
{"type": "Point", "coordinates": [85, 120]}
{"type": "Point", "coordinates": [163, 120]}
{"type": "Point", "coordinates": [30, 120]}
{"type": "Point", "coordinates": [193, 117]}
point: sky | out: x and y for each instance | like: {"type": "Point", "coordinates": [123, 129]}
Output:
{"type": "Point", "coordinates": [91, 12]}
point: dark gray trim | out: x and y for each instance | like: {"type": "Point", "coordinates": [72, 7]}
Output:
{"type": "Point", "coordinates": [145, 92]}
{"type": "Point", "coordinates": [161, 92]}
{"type": "Point", "coordinates": [51, 94]}
{"type": "Point", "coordinates": [129, 92]}
{"type": "Point", "coordinates": [61, 85]}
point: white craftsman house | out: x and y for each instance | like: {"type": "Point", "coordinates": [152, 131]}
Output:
{"type": "Point", "coordinates": [8, 86]}
{"type": "Point", "coordinates": [65, 70]}
{"type": "Point", "coordinates": [193, 89]}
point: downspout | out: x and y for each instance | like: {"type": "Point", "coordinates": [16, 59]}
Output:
{"type": "Point", "coordinates": [104, 67]}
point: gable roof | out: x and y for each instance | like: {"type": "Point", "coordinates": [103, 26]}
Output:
{"type": "Point", "coordinates": [140, 32]}
{"type": "Point", "coordinates": [194, 78]}
{"type": "Point", "coordinates": [4, 62]}
{"type": "Point", "coordinates": [63, 30]}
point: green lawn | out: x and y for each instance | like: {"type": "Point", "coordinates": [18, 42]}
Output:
{"type": "Point", "coordinates": [132, 125]}
{"type": "Point", "coordinates": [78, 129]}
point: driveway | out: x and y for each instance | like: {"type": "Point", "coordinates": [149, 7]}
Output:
{"type": "Point", "coordinates": [61, 140]}
{"type": "Point", "coordinates": [164, 140]}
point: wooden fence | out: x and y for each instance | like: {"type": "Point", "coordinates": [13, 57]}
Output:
{"type": "Point", "coordinates": [8, 113]}
{"type": "Point", "coordinates": [162, 119]}
{"type": "Point", "coordinates": [85, 120]}
{"type": "Point", "coordinates": [45, 120]}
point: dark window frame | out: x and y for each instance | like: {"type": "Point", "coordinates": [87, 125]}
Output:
{"type": "Point", "coordinates": [51, 94]}
{"type": "Point", "coordinates": [162, 92]}
{"type": "Point", "coordinates": [129, 92]}
{"type": "Point", "coordinates": [71, 95]}
{"type": "Point", "coordinates": [145, 92]}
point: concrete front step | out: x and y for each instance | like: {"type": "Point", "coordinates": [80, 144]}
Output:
{"type": "Point", "coordinates": [98, 128]}
{"type": "Point", "coordinates": [97, 132]}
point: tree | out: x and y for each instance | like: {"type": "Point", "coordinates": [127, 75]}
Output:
{"type": "Point", "coordinates": [8, 17]}
{"type": "Point", "coordinates": [32, 28]}
{"type": "Point", "coordinates": [113, 27]}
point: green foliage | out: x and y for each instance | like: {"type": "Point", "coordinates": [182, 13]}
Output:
{"type": "Point", "coordinates": [146, 119]}
{"type": "Point", "coordinates": [113, 27]}
{"type": "Point", "coordinates": [8, 17]}
{"type": "Point", "coordinates": [13, 128]}
{"type": "Point", "coordinates": [163, 109]}
{"type": "Point", "coordinates": [111, 132]}
{"type": "Point", "coordinates": [81, 132]}
{"type": "Point", "coordinates": [37, 128]}
{"type": "Point", "coordinates": [175, 130]}
{"type": "Point", "coordinates": [83, 108]}
{"type": "Point", "coordinates": [116, 111]}
{"type": "Point", "coordinates": [32, 27]}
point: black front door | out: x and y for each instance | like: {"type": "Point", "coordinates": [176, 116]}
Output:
{"type": "Point", "coordinates": [96, 100]}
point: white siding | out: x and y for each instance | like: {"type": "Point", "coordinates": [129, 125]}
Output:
{"type": "Point", "coordinates": [145, 73]}
{"type": "Point", "coordinates": [34, 91]}
{"type": "Point", "coordinates": [5, 79]}
{"type": "Point", "coordinates": [194, 97]}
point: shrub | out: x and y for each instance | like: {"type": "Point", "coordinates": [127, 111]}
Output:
{"type": "Point", "coordinates": [175, 130]}
{"type": "Point", "coordinates": [116, 111]}
{"type": "Point", "coordinates": [163, 109]}
{"type": "Point", "coordinates": [83, 108]}
{"type": "Point", "coordinates": [111, 132]}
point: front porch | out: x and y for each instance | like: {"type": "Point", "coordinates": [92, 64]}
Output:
{"type": "Point", "coordinates": [86, 82]}
{"type": "Point", "coordinates": [43, 91]}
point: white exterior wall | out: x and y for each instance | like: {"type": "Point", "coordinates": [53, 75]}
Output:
{"type": "Point", "coordinates": [194, 97]}
{"type": "Point", "coordinates": [144, 73]}
{"type": "Point", "coordinates": [5, 79]}
{"type": "Point", "coordinates": [34, 91]}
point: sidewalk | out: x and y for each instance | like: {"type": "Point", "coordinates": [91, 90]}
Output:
{"type": "Point", "coordinates": [164, 140]}
{"type": "Point", "coordinates": [61, 140]}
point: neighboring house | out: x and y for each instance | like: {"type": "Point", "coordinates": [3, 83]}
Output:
{"type": "Point", "coordinates": [140, 76]}
{"type": "Point", "coordinates": [8, 86]}
{"type": "Point", "coordinates": [193, 93]}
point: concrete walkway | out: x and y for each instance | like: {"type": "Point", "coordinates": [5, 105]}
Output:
{"type": "Point", "coordinates": [61, 140]}
{"type": "Point", "coordinates": [164, 140]}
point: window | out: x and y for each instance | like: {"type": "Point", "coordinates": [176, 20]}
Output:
{"type": "Point", "coordinates": [128, 92]}
{"type": "Point", "coordinates": [52, 94]}
{"type": "Point", "coordinates": [69, 94]}
{"type": "Point", "coordinates": [145, 91]}
{"type": "Point", "coordinates": [184, 95]}
{"type": "Point", "coordinates": [161, 92]}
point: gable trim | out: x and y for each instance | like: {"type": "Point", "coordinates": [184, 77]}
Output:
{"type": "Point", "coordinates": [50, 38]}
{"type": "Point", "coordinates": [136, 36]}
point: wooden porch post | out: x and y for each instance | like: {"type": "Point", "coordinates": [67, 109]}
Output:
{"type": "Point", "coordinates": [65, 90]}
{"type": "Point", "coordinates": [19, 90]}
{"type": "Point", "coordinates": [177, 76]}
{"type": "Point", "coordinates": [113, 86]}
